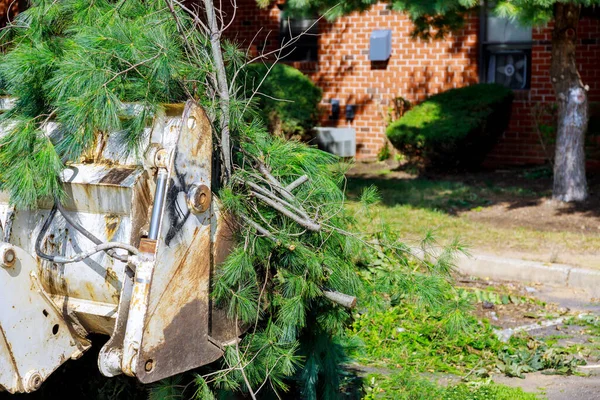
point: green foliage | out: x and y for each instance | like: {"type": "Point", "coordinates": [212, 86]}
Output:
{"type": "Point", "coordinates": [456, 128]}
{"type": "Point", "coordinates": [434, 18]}
{"type": "Point", "coordinates": [397, 329]}
{"type": "Point", "coordinates": [170, 388]}
{"type": "Point", "coordinates": [421, 339]}
{"type": "Point", "coordinates": [476, 295]}
{"type": "Point", "coordinates": [294, 317]}
{"type": "Point", "coordinates": [411, 338]}
{"type": "Point", "coordinates": [287, 99]}
{"type": "Point", "coordinates": [384, 153]}
{"type": "Point", "coordinates": [525, 354]}
{"type": "Point", "coordinates": [78, 62]}
{"type": "Point", "coordinates": [409, 386]}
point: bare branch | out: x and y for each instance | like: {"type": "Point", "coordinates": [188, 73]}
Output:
{"type": "Point", "coordinates": [222, 86]}
{"type": "Point", "coordinates": [296, 183]}
{"type": "Point", "coordinates": [194, 15]}
{"type": "Point", "coordinates": [260, 229]}
{"type": "Point", "coordinates": [308, 224]}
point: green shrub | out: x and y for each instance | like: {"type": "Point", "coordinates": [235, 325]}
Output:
{"type": "Point", "coordinates": [288, 99]}
{"type": "Point", "coordinates": [456, 128]}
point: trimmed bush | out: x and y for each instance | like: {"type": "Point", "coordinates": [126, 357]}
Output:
{"type": "Point", "coordinates": [288, 99]}
{"type": "Point", "coordinates": [456, 128]}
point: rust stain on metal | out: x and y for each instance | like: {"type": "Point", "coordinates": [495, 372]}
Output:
{"type": "Point", "coordinates": [141, 201]}
{"type": "Point", "coordinates": [90, 290]}
{"type": "Point", "coordinates": [111, 223]}
{"type": "Point", "coordinates": [181, 316]}
{"type": "Point", "coordinates": [116, 175]}
{"type": "Point", "coordinates": [52, 277]}
{"type": "Point", "coordinates": [205, 129]}
{"type": "Point", "coordinates": [111, 278]}
{"type": "Point", "coordinates": [147, 245]}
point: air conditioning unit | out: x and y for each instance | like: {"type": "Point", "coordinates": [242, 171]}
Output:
{"type": "Point", "coordinates": [338, 141]}
{"type": "Point", "coordinates": [509, 68]}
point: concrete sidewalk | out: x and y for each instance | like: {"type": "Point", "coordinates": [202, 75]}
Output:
{"type": "Point", "coordinates": [494, 267]}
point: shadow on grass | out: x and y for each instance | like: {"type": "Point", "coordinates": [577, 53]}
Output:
{"type": "Point", "coordinates": [455, 192]}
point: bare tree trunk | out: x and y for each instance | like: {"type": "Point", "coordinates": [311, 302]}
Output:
{"type": "Point", "coordinates": [223, 86]}
{"type": "Point", "coordinates": [569, 164]}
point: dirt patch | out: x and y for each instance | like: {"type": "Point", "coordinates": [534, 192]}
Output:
{"type": "Point", "coordinates": [526, 310]}
{"type": "Point", "coordinates": [542, 214]}
{"type": "Point", "coordinates": [556, 387]}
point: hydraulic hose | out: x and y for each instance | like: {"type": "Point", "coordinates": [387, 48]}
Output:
{"type": "Point", "coordinates": [100, 246]}
{"type": "Point", "coordinates": [87, 233]}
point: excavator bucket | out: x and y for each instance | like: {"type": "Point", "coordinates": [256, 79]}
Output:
{"type": "Point", "coordinates": [130, 253]}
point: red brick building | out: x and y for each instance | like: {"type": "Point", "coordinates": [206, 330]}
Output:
{"type": "Point", "coordinates": [337, 59]}
{"type": "Point", "coordinates": [336, 56]}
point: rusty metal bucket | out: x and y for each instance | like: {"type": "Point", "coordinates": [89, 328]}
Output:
{"type": "Point", "coordinates": [150, 292]}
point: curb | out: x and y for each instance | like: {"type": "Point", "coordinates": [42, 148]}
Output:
{"type": "Point", "coordinates": [486, 266]}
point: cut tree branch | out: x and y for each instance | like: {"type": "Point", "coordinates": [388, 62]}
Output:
{"type": "Point", "coordinates": [342, 299]}
{"type": "Point", "coordinates": [296, 183]}
{"type": "Point", "coordinates": [222, 85]}
{"type": "Point", "coordinates": [308, 224]}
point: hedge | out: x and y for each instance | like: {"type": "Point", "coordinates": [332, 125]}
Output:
{"type": "Point", "coordinates": [456, 128]}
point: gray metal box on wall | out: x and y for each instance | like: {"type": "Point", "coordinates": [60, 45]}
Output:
{"type": "Point", "coordinates": [338, 141]}
{"type": "Point", "coordinates": [380, 45]}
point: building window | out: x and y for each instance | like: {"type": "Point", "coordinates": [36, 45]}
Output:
{"type": "Point", "coordinates": [304, 33]}
{"type": "Point", "coordinates": [505, 51]}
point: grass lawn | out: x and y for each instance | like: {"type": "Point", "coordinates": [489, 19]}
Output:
{"type": "Point", "coordinates": [507, 214]}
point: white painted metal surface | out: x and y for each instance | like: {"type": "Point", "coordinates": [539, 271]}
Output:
{"type": "Point", "coordinates": [48, 308]}
{"type": "Point", "coordinates": [34, 337]}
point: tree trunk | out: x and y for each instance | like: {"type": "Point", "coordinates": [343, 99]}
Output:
{"type": "Point", "coordinates": [569, 163]}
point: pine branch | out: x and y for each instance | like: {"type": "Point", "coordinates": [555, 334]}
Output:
{"type": "Point", "coordinates": [308, 224]}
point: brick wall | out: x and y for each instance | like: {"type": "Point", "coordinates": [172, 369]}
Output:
{"type": "Point", "coordinates": [416, 69]}
{"type": "Point", "coordinates": [8, 10]}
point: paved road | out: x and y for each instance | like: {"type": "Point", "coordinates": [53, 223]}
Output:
{"type": "Point", "coordinates": [557, 387]}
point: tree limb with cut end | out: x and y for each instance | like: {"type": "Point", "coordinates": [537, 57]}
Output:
{"type": "Point", "coordinates": [222, 87]}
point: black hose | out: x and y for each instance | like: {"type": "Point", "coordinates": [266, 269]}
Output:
{"type": "Point", "coordinates": [38, 241]}
{"type": "Point", "coordinates": [87, 233]}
